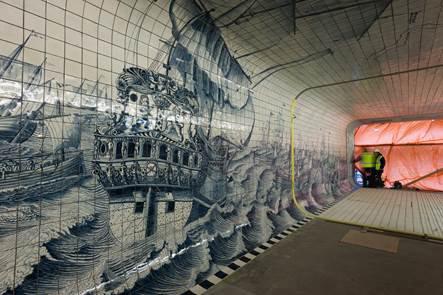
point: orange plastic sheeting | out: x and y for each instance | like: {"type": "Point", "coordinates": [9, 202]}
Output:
{"type": "Point", "coordinates": [413, 132]}
{"type": "Point", "coordinates": [411, 150]}
{"type": "Point", "coordinates": [408, 163]}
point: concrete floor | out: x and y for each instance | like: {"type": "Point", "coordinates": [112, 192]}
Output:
{"type": "Point", "coordinates": [313, 261]}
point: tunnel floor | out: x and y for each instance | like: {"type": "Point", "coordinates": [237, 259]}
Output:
{"type": "Point", "coordinates": [313, 261]}
{"type": "Point", "coordinates": [415, 212]}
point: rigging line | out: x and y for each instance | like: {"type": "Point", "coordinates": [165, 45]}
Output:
{"type": "Point", "coordinates": [316, 13]}
{"type": "Point", "coordinates": [278, 70]}
{"type": "Point", "coordinates": [344, 38]}
{"type": "Point", "coordinates": [386, 96]}
{"type": "Point", "coordinates": [420, 47]}
{"type": "Point", "coordinates": [435, 26]}
{"type": "Point", "coordinates": [357, 60]}
{"type": "Point", "coordinates": [297, 61]}
{"type": "Point", "coordinates": [328, 65]}
{"type": "Point", "coordinates": [233, 9]}
{"type": "Point", "coordinates": [376, 18]}
{"type": "Point", "coordinates": [14, 55]}
{"type": "Point", "coordinates": [280, 39]}
{"type": "Point", "coordinates": [430, 57]}
{"type": "Point", "coordinates": [367, 78]}
{"type": "Point", "coordinates": [254, 13]}
{"type": "Point", "coordinates": [311, 44]}
{"type": "Point", "coordinates": [256, 51]}
{"type": "Point", "coordinates": [294, 15]}
{"type": "Point", "coordinates": [202, 6]}
{"type": "Point", "coordinates": [235, 20]}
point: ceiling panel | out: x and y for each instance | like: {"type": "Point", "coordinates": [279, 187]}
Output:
{"type": "Point", "coordinates": [342, 40]}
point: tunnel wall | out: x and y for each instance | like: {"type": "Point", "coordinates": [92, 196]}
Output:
{"type": "Point", "coordinates": [136, 156]}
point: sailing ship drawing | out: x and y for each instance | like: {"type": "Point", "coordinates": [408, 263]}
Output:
{"type": "Point", "coordinates": [149, 196]}
{"type": "Point", "coordinates": [34, 150]}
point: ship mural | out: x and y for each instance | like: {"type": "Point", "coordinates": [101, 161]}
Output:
{"type": "Point", "coordinates": [153, 194]}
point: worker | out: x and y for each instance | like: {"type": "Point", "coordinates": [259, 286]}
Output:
{"type": "Point", "coordinates": [367, 160]}
{"type": "Point", "coordinates": [379, 166]}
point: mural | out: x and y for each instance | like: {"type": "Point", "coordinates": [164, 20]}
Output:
{"type": "Point", "coordinates": [151, 190]}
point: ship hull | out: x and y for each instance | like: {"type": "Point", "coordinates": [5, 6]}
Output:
{"type": "Point", "coordinates": [27, 179]}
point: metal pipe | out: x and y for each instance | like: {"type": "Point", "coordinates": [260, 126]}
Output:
{"type": "Point", "coordinates": [366, 78]}
{"type": "Point", "coordinates": [292, 137]}
{"type": "Point", "coordinates": [375, 19]}
{"type": "Point", "coordinates": [233, 9]}
{"type": "Point", "coordinates": [316, 13]}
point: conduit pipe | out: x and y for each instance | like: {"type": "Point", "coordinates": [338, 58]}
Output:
{"type": "Point", "coordinates": [293, 137]}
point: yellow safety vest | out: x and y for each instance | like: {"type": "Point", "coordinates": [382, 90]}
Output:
{"type": "Point", "coordinates": [368, 160]}
{"type": "Point", "coordinates": [378, 162]}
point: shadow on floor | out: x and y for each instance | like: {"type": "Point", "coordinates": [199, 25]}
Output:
{"type": "Point", "coordinates": [313, 261]}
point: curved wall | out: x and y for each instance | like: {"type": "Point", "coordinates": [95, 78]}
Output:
{"type": "Point", "coordinates": [146, 143]}
{"type": "Point", "coordinates": [135, 154]}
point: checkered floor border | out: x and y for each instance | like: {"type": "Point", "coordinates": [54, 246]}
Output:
{"type": "Point", "coordinates": [326, 207]}
{"type": "Point", "coordinates": [243, 260]}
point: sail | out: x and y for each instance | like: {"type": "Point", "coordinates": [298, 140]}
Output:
{"type": "Point", "coordinates": [206, 66]}
{"type": "Point", "coordinates": [13, 56]}
{"type": "Point", "coordinates": [19, 91]}
{"type": "Point", "coordinates": [63, 131]}
{"type": "Point", "coordinates": [233, 125]}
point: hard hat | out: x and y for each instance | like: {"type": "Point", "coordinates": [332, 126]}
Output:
{"type": "Point", "coordinates": [377, 150]}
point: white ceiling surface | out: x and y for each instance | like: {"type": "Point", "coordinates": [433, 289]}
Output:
{"type": "Point", "coordinates": [392, 44]}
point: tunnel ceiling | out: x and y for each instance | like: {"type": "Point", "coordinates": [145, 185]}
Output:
{"type": "Point", "coordinates": [332, 41]}
{"type": "Point", "coordinates": [327, 41]}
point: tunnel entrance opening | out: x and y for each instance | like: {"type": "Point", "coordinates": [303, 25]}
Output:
{"type": "Point", "coordinates": [411, 212]}
{"type": "Point", "coordinates": [412, 153]}
{"type": "Point", "coordinates": [413, 173]}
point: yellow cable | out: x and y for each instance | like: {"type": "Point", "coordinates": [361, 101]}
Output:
{"type": "Point", "coordinates": [308, 214]}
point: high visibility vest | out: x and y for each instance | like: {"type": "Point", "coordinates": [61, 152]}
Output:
{"type": "Point", "coordinates": [378, 162]}
{"type": "Point", "coordinates": [368, 160]}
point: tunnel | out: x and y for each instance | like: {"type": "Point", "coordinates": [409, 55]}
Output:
{"type": "Point", "coordinates": [209, 146]}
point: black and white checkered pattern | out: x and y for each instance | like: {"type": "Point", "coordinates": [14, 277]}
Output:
{"type": "Point", "coordinates": [326, 207]}
{"type": "Point", "coordinates": [243, 260]}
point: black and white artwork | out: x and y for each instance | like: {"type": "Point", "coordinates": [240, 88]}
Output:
{"type": "Point", "coordinates": [148, 186]}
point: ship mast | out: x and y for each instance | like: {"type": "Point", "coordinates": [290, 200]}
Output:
{"type": "Point", "coordinates": [28, 123]}
{"type": "Point", "coordinates": [13, 56]}
{"type": "Point", "coordinates": [37, 72]}
{"type": "Point", "coordinates": [267, 131]}
{"type": "Point", "coordinates": [94, 88]}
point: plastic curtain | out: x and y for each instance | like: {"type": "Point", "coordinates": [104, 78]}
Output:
{"type": "Point", "coordinates": [411, 149]}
